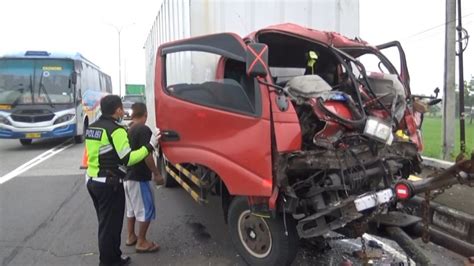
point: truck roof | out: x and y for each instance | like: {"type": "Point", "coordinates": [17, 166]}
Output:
{"type": "Point", "coordinates": [325, 37]}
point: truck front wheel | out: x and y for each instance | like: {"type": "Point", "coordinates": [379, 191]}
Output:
{"type": "Point", "coordinates": [261, 241]}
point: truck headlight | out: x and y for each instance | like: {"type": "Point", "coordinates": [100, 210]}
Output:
{"type": "Point", "coordinates": [4, 120]}
{"type": "Point", "coordinates": [64, 118]}
{"type": "Point", "coordinates": [379, 130]}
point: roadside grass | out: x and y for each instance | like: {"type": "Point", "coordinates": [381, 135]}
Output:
{"type": "Point", "coordinates": [432, 137]}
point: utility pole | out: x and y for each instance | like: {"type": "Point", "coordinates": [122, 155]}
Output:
{"type": "Point", "coordinates": [119, 31]}
{"type": "Point", "coordinates": [120, 62]}
{"type": "Point", "coordinates": [449, 80]}
{"type": "Point", "coordinates": [462, 113]}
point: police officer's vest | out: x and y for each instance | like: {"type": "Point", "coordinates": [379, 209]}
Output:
{"type": "Point", "coordinates": [103, 155]}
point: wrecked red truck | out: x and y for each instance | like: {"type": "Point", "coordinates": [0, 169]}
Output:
{"type": "Point", "coordinates": [299, 131]}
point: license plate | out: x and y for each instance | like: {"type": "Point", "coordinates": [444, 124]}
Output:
{"type": "Point", "coordinates": [33, 135]}
{"type": "Point", "coordinates": [374, 199]}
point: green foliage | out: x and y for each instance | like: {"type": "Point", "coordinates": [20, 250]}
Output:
{"type": "Point", "coordinates": [432, 137]}
{"type": "Point", "coordinates": [434, 110]}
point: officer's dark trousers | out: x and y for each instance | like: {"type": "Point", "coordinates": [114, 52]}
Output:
{"type": "Point", "coordinates": [109, 203]}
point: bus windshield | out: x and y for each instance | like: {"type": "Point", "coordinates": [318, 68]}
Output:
{"type": "Point", "coordinates": [36, 81]}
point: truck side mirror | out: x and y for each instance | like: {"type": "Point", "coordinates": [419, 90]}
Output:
{"type": "Point", "coordinates": [257, 60]}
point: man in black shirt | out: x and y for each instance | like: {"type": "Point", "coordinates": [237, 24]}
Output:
{"type": "Point", "coordinates": [138, 187]}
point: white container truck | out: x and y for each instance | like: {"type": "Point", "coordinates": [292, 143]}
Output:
{"type": "Point", "coordinates": [179, 19]}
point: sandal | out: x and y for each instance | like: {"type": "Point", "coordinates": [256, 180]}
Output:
{"type": "Point", "coordinates": [131, 243]}
{"type": "Point", "coordinates": [152, 248]}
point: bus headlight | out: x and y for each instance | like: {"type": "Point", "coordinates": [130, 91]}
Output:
{"type": "Point", "coordinates": [64, 118]}
{"type": "Point", "coordinates": [4, 120]}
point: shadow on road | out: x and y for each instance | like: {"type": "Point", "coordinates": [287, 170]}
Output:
{"type": "Point", "coordinates": [42, 144]}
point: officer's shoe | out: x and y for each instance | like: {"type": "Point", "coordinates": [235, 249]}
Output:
{"type": "Point", "coordinates": [125, 260]}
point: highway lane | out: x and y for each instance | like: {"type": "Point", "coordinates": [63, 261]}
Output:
{"type": "Point", "coordinates": [47, 218]}
{"type": "Point", "coordinates": [13, 154]}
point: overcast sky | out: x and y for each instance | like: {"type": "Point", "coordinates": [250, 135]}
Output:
{"type": "Point", "coordinates": [89, 27]}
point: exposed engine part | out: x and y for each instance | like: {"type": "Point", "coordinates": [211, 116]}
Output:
{"type": "Point", "coordinates": [336, 164]}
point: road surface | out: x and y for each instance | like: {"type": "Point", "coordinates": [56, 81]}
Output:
{"type": "Point", "coordinates": [47, 218]}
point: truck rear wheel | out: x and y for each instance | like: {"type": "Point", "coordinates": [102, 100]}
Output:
{"type": "Point", "coordinates": [261, 241]}
{"type": "Point", "coordinates": [26, 142]}
{"type": "Point", "coordinates": [168, 179]}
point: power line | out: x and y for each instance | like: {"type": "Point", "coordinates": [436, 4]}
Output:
{"type": "Point", "coordinates": [435, 27]}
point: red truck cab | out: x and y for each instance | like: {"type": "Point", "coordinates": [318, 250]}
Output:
{"type": "Point", "coordinates": [299, 131]}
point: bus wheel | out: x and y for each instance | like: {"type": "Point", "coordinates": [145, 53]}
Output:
{"type": "Point", "coordinates": [26, 142]}
{"type": "Point", "coordinates": [79, 139]}
{"type": "Point", "coordinates": [169, 180]}
{"type": "Point", "coordinates": [261, 241]}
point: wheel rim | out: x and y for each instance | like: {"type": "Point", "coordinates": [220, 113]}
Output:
{"type": "Point", "coordinates": [254, 234]}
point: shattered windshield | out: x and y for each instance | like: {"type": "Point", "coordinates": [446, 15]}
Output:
{"type": "Point", "coordinates": [35, 81]}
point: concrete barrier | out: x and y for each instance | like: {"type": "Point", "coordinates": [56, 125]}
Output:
{"type": "Point", "coordinates": [436, 163]}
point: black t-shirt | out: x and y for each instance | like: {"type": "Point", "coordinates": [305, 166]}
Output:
{"type": "Point", "coordinates": [139, 135]}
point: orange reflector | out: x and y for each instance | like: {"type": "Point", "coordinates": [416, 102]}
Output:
{"type": "Point", "coordinates": [402, 191]}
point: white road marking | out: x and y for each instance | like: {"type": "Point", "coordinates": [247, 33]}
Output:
{"type": "Point", "coordinates": [38, 159]}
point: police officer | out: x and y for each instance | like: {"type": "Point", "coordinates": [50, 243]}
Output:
{"type": "Point", "coordinates": [109, 153]}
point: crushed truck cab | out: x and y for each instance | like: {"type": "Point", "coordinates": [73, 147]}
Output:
{"type": "Point", "coordinates": [299, 131]}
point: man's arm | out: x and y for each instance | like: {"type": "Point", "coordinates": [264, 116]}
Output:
{"type": "Point", "coordinates": [125, 153]}
{"type": "Point", "coordinates": [150, 162]}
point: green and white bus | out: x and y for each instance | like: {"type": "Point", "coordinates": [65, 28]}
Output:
{"type": "Point", "coordinates": [49, 95]}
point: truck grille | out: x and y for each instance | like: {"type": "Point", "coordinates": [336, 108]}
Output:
{"type": "Point", "coordinates": [32, 116]}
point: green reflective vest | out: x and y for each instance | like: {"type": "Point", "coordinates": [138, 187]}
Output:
{"type": "Point", "coordinates": [108, 149]}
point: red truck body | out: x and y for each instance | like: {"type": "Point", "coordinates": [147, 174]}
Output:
{"type": "Point", "coordinates": [308, 135]}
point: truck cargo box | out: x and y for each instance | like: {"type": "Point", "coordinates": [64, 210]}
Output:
{"type": "Point", "coordinates": [179, 19]}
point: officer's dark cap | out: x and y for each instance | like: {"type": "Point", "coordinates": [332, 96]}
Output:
{"type": "Point", "coordinates": [109, 104]}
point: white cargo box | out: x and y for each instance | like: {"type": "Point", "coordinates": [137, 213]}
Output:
{"type": "Point", "coordinates": [179, 19]}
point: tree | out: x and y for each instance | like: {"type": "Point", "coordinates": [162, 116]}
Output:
{"type": "Point", "coordinates": [433, 110]}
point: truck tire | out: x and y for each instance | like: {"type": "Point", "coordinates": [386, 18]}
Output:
{"type": "Point", "coordinates": [168, 179]}
{"type": "Point", "coordinates": [261, 241]}
{"type": "Point", "coordinates": [26, 142]}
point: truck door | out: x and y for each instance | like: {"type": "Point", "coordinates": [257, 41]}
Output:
{"type": "Point", "coordinates": [412, 119]}
{"type": "Point", "coordinates": [394, 52]}
{"type": "Point", "coordinates": [214, 120]}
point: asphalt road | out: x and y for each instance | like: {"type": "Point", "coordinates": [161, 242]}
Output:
{"type": "Point", "coordinates": [47, 218]}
